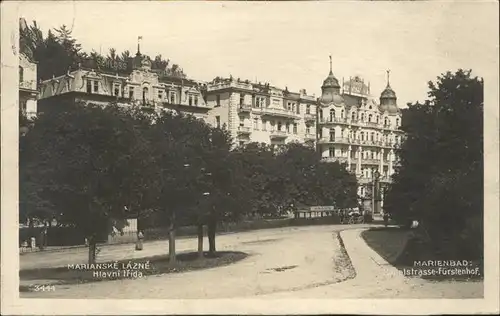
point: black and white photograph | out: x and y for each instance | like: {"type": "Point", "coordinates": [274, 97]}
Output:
{"type": "Point", "coordinates": [337, 152]}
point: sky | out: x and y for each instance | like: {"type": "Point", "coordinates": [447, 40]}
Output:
{"type": "Point", "coordinates": [288, 43]}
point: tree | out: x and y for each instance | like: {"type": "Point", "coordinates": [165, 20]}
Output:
{"type": "Point", "coordinates": [440, 180]}
{"type": "Point", "coordinates": [83, 162]}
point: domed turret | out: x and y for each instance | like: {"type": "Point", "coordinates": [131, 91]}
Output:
{"type": "Point", "coordinates": [331, 89]}
{"type": "Point", "coordinates": [388, 99]}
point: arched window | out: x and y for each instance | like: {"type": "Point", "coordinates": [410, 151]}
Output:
{"type": "Point", "coordinates": [342, 114]}
{"type": "Point", "coordinates": [397, 122]}
{"type": "Point", "coordinates": [353, 116]}
{"type": "Point", "coordinates": [386, 121]}
{"type": "Point", "coordinates": [362, 117]}
{"type": "Point", "coordinates": [332, 115]}
{"type": "Point", "coordinates": [370, 118]}
{"type": "Point", "coordinates": [378, 119]}
{"type": "Point", "coordinates": [21, 74]}
{"type": "Point", "coordinates": [362, 135]}
{"type": "Point", "coordinates": [145, 91]}
{"type": "Point", "coordinates": [321, 114]}
{"type": "Point", "coordinates": [372, 136]}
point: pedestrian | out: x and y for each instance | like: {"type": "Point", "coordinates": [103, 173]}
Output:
{"type": "Point", "coordinates": [140, 237]}
{"type": "Point", "coordinates": [386, 219]}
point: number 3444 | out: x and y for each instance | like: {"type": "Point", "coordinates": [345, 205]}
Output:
{"type": "Point", "coordinates": [42, 288]}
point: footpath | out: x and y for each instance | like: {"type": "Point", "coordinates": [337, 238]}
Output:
{"type": "Point", "coordinates": [376, 278]}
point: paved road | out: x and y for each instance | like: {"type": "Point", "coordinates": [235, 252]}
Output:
{"type": "Point", "coordinates": [320, 271]}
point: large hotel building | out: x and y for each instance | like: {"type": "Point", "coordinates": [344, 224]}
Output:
{"type": "Point", "coordinates": [346, 123]}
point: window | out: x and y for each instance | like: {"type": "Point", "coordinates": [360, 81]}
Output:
{"type": "Point", "coordinates": [308, 130]}
{"type": "Point", "coordinates": [372, 136]}
{"type": "Point", "coordinates": [332, 135]}
{"type": "Point", "coordinates": [96, 86]}
{"type": "Point", "coordinates": [264, 125]}
{"type": "Point", "coordinates": [386, 121]}
{"type": "Point", "coordinates": [272, 126]}
{"type": "Point", "coordinates": [370, 118]}
{"type": "Point", "coordinates": [397, 122]}
{"type": "Point", "coordinates": [195, 100]}
{"type": "Point", "coordinates": [242, 99]}
{"type": "Point", "coordinates": [145, 92]}
{"type": "Point", "coordinates": [332, 115]}
{"type": "Point", "coordinates": [116, 90]}
{"type": "Point", "coordinates": [331, 152]}
{"type": "Point", "coordinates": [362, 117]}
{"type": "Point", "coordinates": [255, 123]}
{"type": "Point", "coordinates": [160, 95]}
{"type": "Point", "coordinates": [190, 98]}
{"type": "Point", "coordinates": [362, 135]}
{"type": "Point", "coordinates": [353, 116]}
{"type": "Point", "coordinates": [172, 98]}
{"type": "Point", "coordinates": [21, 74]}
{"type": "Point", "coordinates": [288, 127]}
{"type": "Point", "coordinates": [295, 128]}
{"type": "Point", "coordinates": [342, 114]}
{"type": "Point", "coordinates": [218, 100]}
{"type": "Point", "coordinates": [217, 121]}
{"type": "Point", "coordinates": [89, 86]}
{"type": "Point", "coordinates": [321, 114]}
{"type": "Point", "coordinates": [131, 92]}
{"type": "Point", "coordinates": [279, 126]}
{"type": "Point", "coordinates": [289, 106]}
{"type": "Point", "coordinates": [378, 119]}
{"type": "Point", "coordinates": [308, 109]}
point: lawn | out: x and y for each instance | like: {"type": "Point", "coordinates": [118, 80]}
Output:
{"type": "Point", "coordinates": [396, 246]}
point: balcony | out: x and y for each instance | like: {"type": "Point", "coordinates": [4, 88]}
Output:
{"type": "Point", "coordinates": [244, 108]}
{"type": "Point", "coordinates": [338, 140]}
{"type": "Point", "coordinates": [372, 124]}
{"type": "Point", "coordinates": [278, 134]}
{"type": "Point", "coordinates": [333, 159]}
{"type": "Point", "coordinates": [231, 84]}
{"type": "Point", "coordinates": [28, 85]}
{"type": "Point", "coordinates": [334, 120]}
{"type": "Point", "coordinates": [309, 117]}
{"type": "Point", "coordinates": [370, 162]}
{"type": "Point", "coordinates": [277, 112]}
{"type": "Point", "coordinates": [310, 137]}
{"type": "Point", "coordinates": [244, 130]}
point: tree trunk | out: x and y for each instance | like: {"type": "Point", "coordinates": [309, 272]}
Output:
{"type": "Point", "coordinates": [212, 225]}
{"type": "Point", "coordinates": [171, 239]}
{"type": "Point", "coordinates": [200, 241]}
{"type": "Point", "coordinates": [92, 250]}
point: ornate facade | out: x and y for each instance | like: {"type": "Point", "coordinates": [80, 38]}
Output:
{"type": "Point", "coordinates": [360, 132]}
{"type": "Point", "coordinates": [28, 93]}
{"type": "Point", "coordinates": [256, 112]}
{"type": "Point", "coordinates": [134, 84]}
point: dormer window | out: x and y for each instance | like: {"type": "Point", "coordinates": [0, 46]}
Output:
{"type": "Point", "coordinates": [370, 118]}
{"type": "Point", "coordinates": [131, 92]}
{"type": "Point", "coordinates": [172, 98]}
{"type": "Point", "coordinates": [160, 95]}
{"type": "Point", "coordinates": [116, 90]}
{"type": "Point", "coordinates": [96, 86]}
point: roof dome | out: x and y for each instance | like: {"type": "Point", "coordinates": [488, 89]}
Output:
{"type": "Point", "coordinates": [330, 97]}
{"type": "Point", "coordinates": [331, 81]}
{"type": "Point", "coordinates": [388, 93]}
